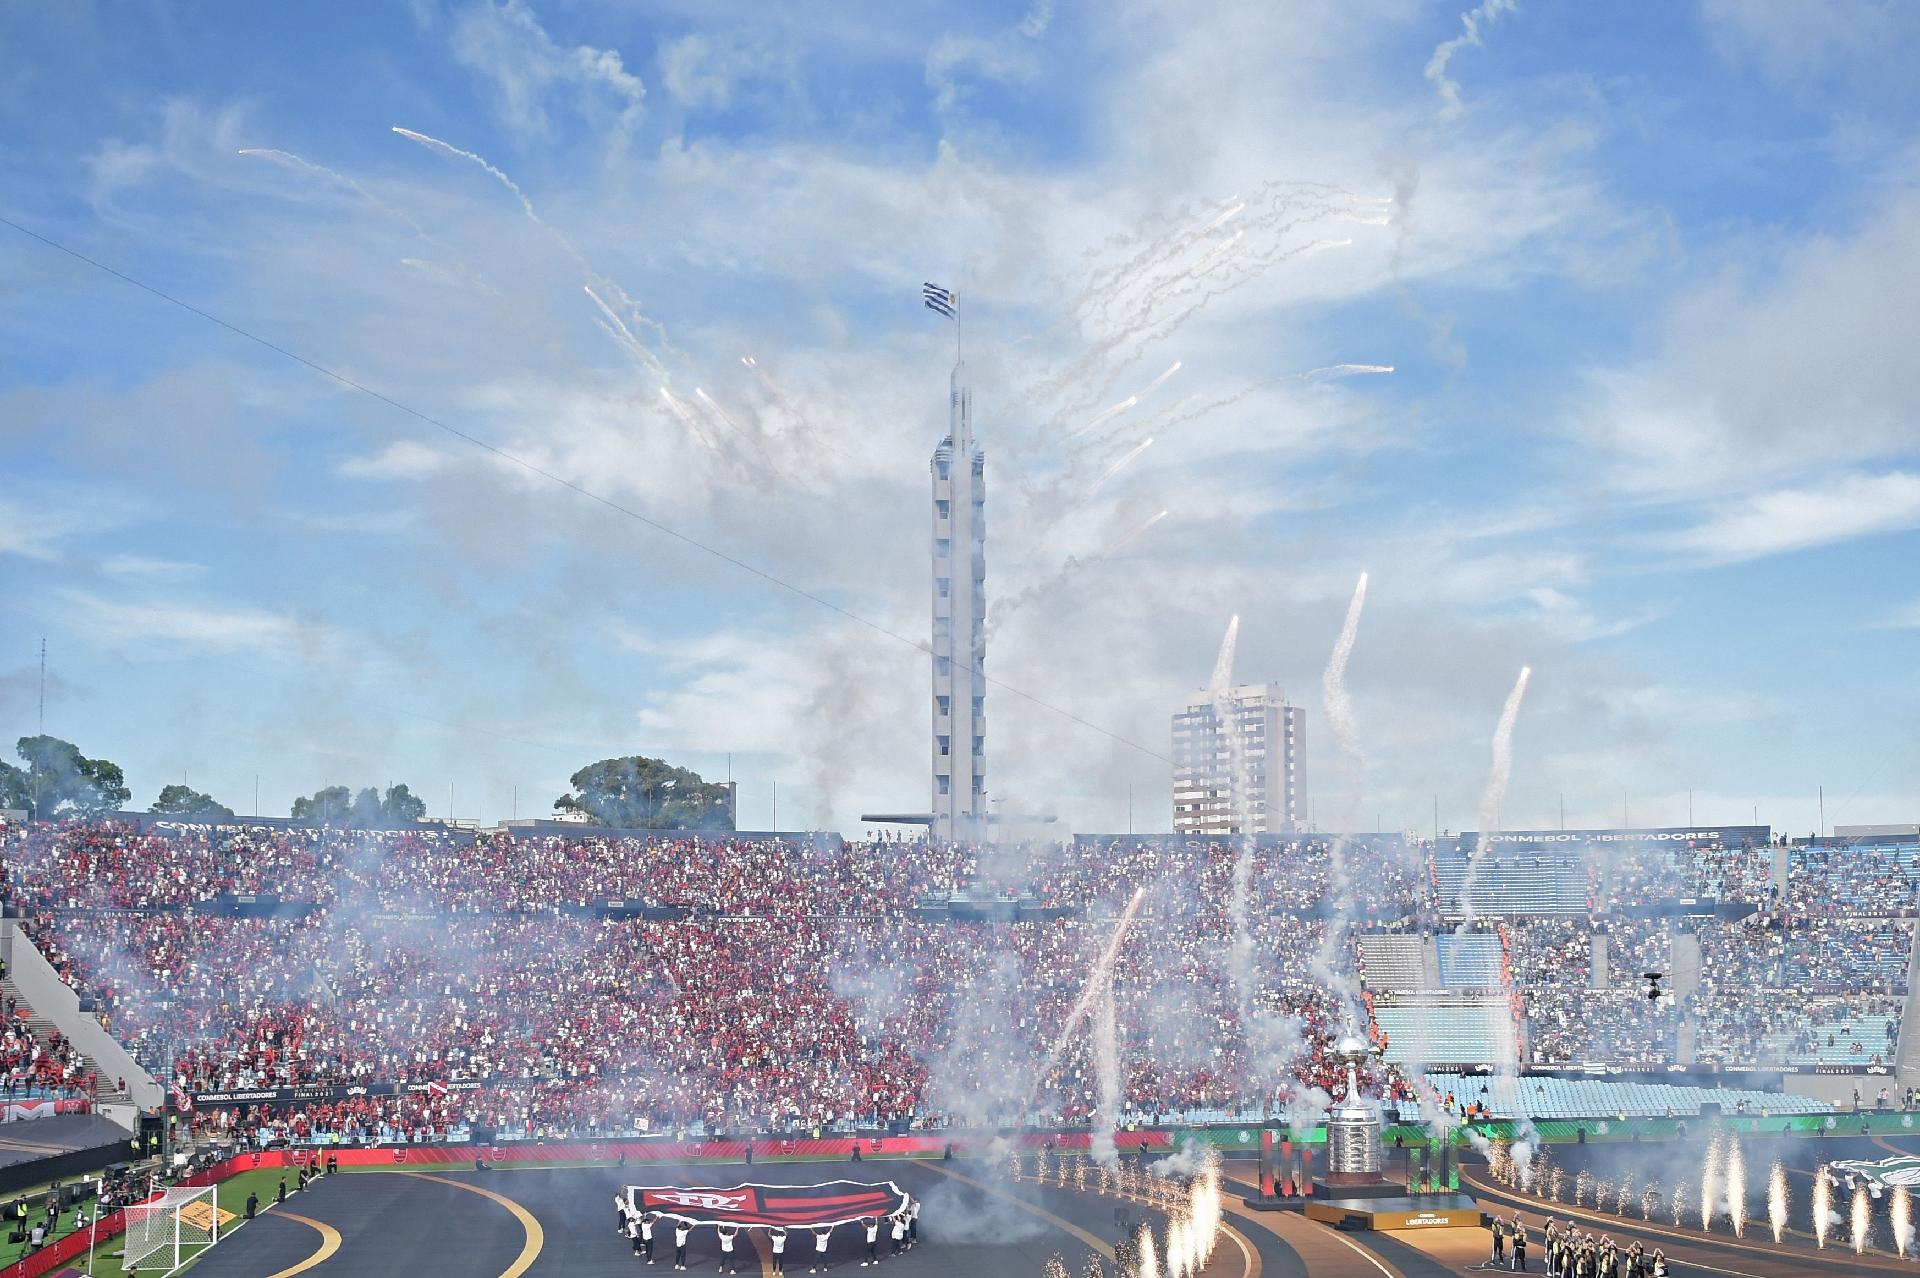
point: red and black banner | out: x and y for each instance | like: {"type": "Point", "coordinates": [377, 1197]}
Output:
{"type": "Point", "coordinates": [836, 1202]}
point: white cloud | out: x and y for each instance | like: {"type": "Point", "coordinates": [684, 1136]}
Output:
{"type": "Point", "coordinates": [30, 534]}
{"type": "Point", "coordinates": [145, 568]}
{"type": "Point", "coordinates": [503, 41]}
{"type": "Point", "coordinates": [402, 459]}
{"type": "Point", "coordinates": [1761, 377]}
{"type": "Point", "coordinates": [1008, 56]}
{"type": "Point", "coordinates": [705, 70]}
{"type": "Point", "coordinates": [162, 629]}
{"type": "Point", "coordinates": [1572, 619]}
{"type": "Point", "coordinates": [1796, 42]}
{"type": "Point", "coordinates": [1791, 519]}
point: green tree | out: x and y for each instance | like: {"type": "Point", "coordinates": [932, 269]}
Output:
{"type": "Point", "coordinates": [15, 792]}
{"type": "Point", "coordinates": [60, 781]}
{"type": "Point", "coordinates": [367, 808]}
{"type": "Point", "coordinates": [402, 805]}
{"type": "Point", "coordinates": [646, 794]}
{"type": "Point", "coordinates": [331, 804]}
{"type": "Point", "coordinates": [179, 799]}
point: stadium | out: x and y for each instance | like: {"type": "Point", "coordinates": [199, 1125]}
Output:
{"type": "Point", "coordinates": [449, 1049]}
{"type": "Point", "coordinates": [711, 521]}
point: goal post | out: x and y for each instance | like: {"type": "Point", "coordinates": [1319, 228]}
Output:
{"type": "Point", "coordinates": [165, 1232]}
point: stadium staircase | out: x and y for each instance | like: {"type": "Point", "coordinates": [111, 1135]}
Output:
{"type": "Point", "coordinates": [1685, 983]}
{"type": "Point", "coordinates": [1907, 1054]}
{"type": "Point", "coordinates": [52, 1005]}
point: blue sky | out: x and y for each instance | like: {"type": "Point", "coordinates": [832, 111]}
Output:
{"type": "Point", "coordinates": [1642, 275]}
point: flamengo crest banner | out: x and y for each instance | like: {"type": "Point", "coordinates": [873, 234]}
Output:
{"type": "Point", "coordinates": [837, 1202]}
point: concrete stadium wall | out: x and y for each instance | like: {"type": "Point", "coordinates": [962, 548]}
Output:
{"type": "Point", "coordinates": [49, 996]}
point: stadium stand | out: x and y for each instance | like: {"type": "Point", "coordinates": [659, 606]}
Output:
{"type": "Point", "coordinates": [593, 981]}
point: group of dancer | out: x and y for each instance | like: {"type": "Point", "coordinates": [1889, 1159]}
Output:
{"type": "Point", "coordinates": [902, 1228]}
{"type": "Point", "coordinates": [1574, 1253]}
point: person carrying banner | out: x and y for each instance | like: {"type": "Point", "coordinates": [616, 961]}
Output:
{"type": "Point", "coordinates": [820, 1237]}
{"type": "Point", "coordinates": [729, 1263]}
{"type": "Point", "coordinates": [777, 1239]}
{"type": "Point", "coordinates": [872, 1225]}
{"type": "Point", "coordinates": [643, 1244]}
{"type": "Point", "coordinates": [681, 1231]}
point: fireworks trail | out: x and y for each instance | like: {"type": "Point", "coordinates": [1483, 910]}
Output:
{"type": "Point", "coordinates": [1496, 791]}
{"type": "Point", "coordinates": [1123, 543]}
{"type": "Point", "coordinates": [1334, 372]}
{"type": "Point", "coordinates": [1106, 415]}
{"type": "Point", "coordinates": [391, 210]}
{"type": "Point", "coordinates": [447, 148]}
{"type": "Point", "coordinates": [624, 336]}
{"type": "Point", "coordinates": [1116, 468]}
{"type": "Point", "coordinates": [686, 419]}
{"type": "Point", "coordinates": [1333, 684]}
{"type": "Point", "coordinates": [533, 215]}
{"type": "Point", "coordinates": [1106, 1072]}
{"type": "Point", "coordinates": [1155, 384]}
{"type": "Point", "coordinates": [1101, 973]}
{"type": "Point", "coordinates": [1147, 296]}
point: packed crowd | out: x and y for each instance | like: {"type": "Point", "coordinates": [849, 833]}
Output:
{"type": "Point", "coordinates": [1855, 878]}
{"type": "Point", "coordinates": [1573, 1017]}
{"type": "Point", "coordinates": [799, 986]}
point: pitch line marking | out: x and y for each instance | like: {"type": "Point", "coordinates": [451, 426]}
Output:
{"type": "Point", "coordinates": [536, 1236]}
{"type": "Point", "coordinates": [329, 1243]}
{"type": "Point", "coordinates": [1026, 1206]}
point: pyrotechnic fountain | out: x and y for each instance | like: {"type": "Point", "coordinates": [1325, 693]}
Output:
{"type": "Point", "coordinates": [1736, 1188]}
{"type": "Point", "coordinates": [1650, 1200]}
{"type": "Point", "coordinates": [1148, 1268]}
{"type": "Point", "coordinates": [1822, 1206]}
{"type": "Point", "coordinates": [1862, 1218]}
{"type": "Point", "coordinates": [1557, 1183]}
{"type": "Point", "coordinates": [1624, 1196]}
{"type": "Point", "coordinates": [1709, 1183]}
{"type": "Point", "coordinates": [1581, 1184]}
{"type": "Point", "coordinates": [1777, 1199]}
{"type": "Point", "coordinates": [1680, 1202]}
{"type": "Point", "coordinates": [1902, 1211]}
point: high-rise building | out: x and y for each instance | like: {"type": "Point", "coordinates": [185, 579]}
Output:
{"type": "Point", "coordinates": [959, 624]}
{"type": "Point", "coordinates": [1244, 776]}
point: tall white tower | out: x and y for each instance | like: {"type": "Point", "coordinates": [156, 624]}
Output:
{"type": "Point", "coordinates": [959, 624]}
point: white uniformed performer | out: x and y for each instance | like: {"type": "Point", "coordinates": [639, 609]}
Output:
{"type": "Point", "coordinates": [728, 1265]}
{"type": "Point", "coordinates": [620, 1214]}
{"type": "Point", "coordinates": [821, 1234]}
{"type": "Point", "coordinates": [633, 1230]}
{"type": "Point", "coordinates": [872, 1226]}
{"type": "Point", "coordinates": [646, 1234]}
{"type": "Point", "coordinates": [899, 1219]}
{"type": "Point", "coordinates": [913, 1222]}
{"type": "Point", "coordinates": [681, 1231]}
{"type": "Point", "coordinates": [777, 1236]}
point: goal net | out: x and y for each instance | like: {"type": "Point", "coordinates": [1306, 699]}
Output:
{"type": "Point", "coordinates": [169, 1230]}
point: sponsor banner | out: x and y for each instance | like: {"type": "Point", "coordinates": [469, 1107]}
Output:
{"type": "Point", "coordinates": [349, 1091]}
{"type": "Point", "coordinates": [836, 1202]}
{"type": "Point", "coordinates": [1727, 835]}
{"type": "Point", "coordinates": [21, 1111]}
